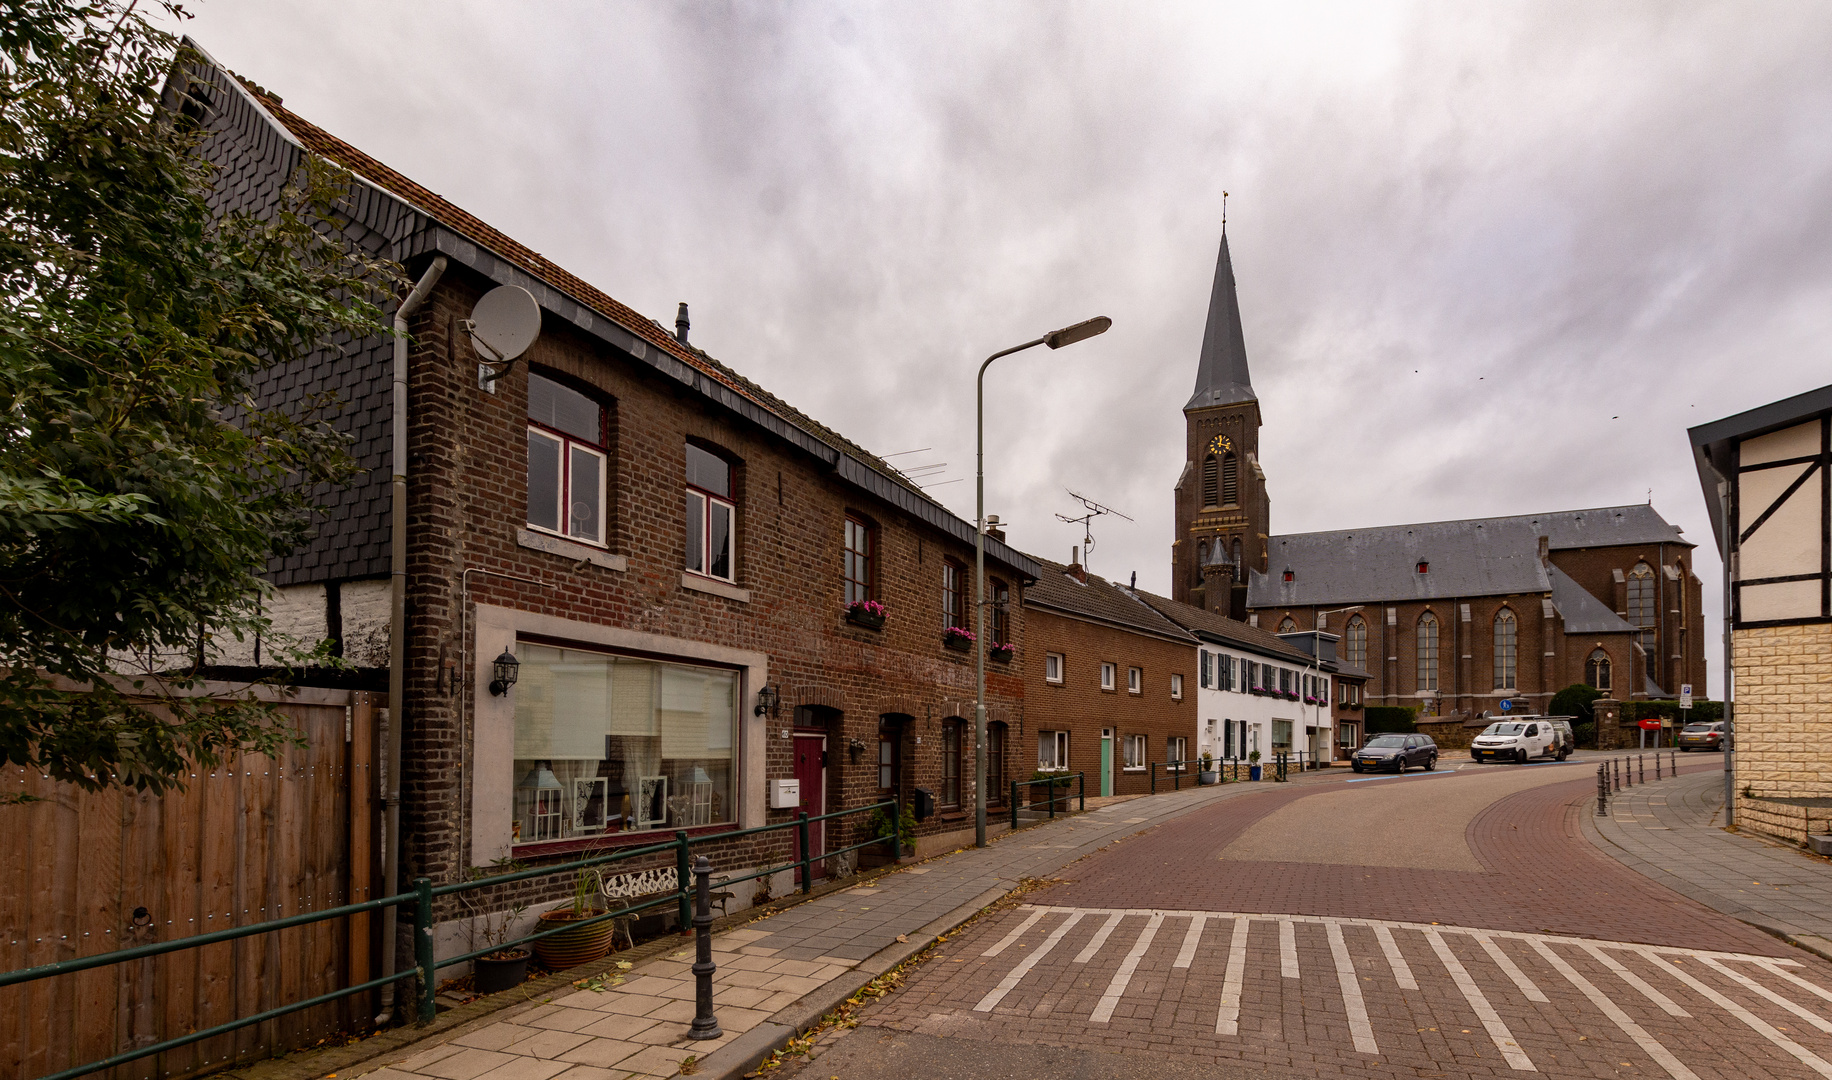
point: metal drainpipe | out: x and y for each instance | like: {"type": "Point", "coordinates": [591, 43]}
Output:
{"type": "Point", "coordinates": [397, 632]}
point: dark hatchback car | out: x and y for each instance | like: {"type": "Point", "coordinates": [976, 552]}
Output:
{"type": "Point", "coordinates": [1396, 752]}
{"type": "Point", "coordinates": [1702, 735]}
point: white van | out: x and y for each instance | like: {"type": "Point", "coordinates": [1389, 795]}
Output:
{"type": "Point", "coordinates": [1521, 740]}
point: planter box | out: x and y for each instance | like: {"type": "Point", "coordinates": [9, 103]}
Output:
{"type": "Point", "coordinates": [570, 948]}
{"type": "Point", "coordinates": [957, 643]}
{"type": "Point", "coordinates": [868, 621]}
{"type": "Point", "coordinates": [1209, 777]}
{"type": "Point", "coordinates": [501, 971]}
{"type": "Point", "coordinates": [1254, 772]}
{"type": "Point", "coordinates": [999, 656]}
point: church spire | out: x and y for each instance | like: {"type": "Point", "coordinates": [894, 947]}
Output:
{"type": "Point", "coordinates": [1221, 375]}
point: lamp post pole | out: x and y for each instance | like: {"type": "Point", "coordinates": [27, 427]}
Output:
{"type": "Point", "coordinates": [1316, 662]}
{"type": "Point", "coordinates": [1055, 339]}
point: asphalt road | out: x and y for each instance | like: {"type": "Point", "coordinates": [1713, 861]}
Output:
{"type": "Point", "coordinates": [1452, 924]}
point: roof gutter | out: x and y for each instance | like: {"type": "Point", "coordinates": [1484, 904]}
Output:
{"type": "Point", "coordinates": [397, 634]}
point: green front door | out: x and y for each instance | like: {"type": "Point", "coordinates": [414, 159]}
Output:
{"type": "Point", "coordinates": [1106, 761]}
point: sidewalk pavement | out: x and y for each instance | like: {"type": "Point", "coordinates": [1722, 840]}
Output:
{"type": "Point", "coordinates": [1672, 832]}
{"type": "Point", "coordinates": [778, 975]}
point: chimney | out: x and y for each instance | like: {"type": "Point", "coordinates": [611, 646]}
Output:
{"type": "Point", "coordinates": [1135, 582]}
{"type": "Point", "coordinates": [1075, 568]}
{"type": "Point", "coordinates": [995, 528]}
{"type": "Point", "coordinates": [1545, 551]}
{"type": "Point", "coordinates": [681, 324]}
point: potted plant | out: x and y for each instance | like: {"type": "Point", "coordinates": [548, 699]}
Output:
{"type": "Point", "coordinates": [958, 638]}
{"type": "Point", "coordinates": [1254, 771]}
{"type": "Point", "coordinates": [866, 613]}
{"type": "Point", "coordinates": [507, 966]}
{"type": "Point", "coordinates": [881, 825]}
{"type": "Point", "coordinates": [1209, 775]}
{"type": "Point", "coordinates": [579, 944]}
{"type": "Point", "coordinates": [1000, 652]}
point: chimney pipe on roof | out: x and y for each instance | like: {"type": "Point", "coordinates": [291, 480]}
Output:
{"type": "Point", "coordinates": [681, 324]}
{"type": "Point", "coordinates": [1075, 568]}
{"type": "Point", "coordinates": [1135, 581]}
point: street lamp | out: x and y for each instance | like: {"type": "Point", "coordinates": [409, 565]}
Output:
{"type": "Point", "coordinates": [1055, 339]}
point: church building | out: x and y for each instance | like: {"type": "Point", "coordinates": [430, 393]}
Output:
{"type": "Point", "coordinates": [1450, 616]}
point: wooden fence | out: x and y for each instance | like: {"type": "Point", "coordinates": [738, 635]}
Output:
{"type": "Point", "coordinates": [257, 839]}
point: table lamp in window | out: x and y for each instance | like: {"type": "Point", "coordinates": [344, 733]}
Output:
{"type": "Point", "coordinates": [699, 797]}
{"type": "Point", "coordinates": [543, 793]}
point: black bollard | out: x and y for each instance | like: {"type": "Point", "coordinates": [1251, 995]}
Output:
{"type": "Point", "coordinates": [1602, 790]}
{"type": "Point", "coordinates": [705, 1024]}
{"type": "Point", "coordinates": [1641, 769]}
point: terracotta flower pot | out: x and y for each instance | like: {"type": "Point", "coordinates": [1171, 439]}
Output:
{"type": "Point", "coordinates": [579, 945]}
{"type": "Point", "coordinates": [500, 971]}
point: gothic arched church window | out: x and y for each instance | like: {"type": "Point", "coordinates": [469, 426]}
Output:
{"type": "Point", "coordinates": [1355, 641]}
{"type": "Point", "coordinates": [1427, 652]}
{"type": "Point", "coordinates": [1230, 480]}
{"type": "Point", "coordinates": [1596, 670]}
{"type": "Point", "coordinates": [1641, 605]}
{"type": "Point", "coordinates": [1507, 650]}
{"type": "Point", "coordinates": [1208, 481]}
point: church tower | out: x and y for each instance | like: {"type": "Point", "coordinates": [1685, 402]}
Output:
{"type": "Point", "coordinates": [1223, 512]}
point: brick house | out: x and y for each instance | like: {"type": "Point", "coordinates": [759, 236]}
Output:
{"type": "Point", "coordinates": [667, 549]}
{"type": "Point", "coordinates": [1451, 616]}
{"type": "Point", "coordinates": [1765, 478]}
{"type": "Point", "coordinates": [1110, 682]}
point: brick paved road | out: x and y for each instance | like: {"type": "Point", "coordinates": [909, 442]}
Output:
{"type": "Point", "coordinates": [1510, 946]}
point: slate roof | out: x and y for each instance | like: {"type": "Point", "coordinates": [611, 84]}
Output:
{"type": "Point", "coordinates": [1222, 630]}
{"type": "Point", "coordinates": [1470, 557]}
{"type": "Point", "coordinates": [1221, 373]}
{"type": "Point", "coordinates": [1099, 600]}
{"type": "Point", "coordinates": [1582, 612]}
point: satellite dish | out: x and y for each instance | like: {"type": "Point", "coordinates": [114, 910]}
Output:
{"type": "Point", "coordinates": [504, 323]}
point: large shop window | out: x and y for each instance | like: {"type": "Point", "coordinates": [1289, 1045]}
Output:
{"type": "Point", "coordinates": [566, 461]}
{"type": "Point", "coordinates": [607, 744]}
{"type": "Point", "coordinates": [709, 514]}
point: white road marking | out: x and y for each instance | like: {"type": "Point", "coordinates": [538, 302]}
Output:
{"type": "Point", "coordinates": [1190, 941]}
{"type": "Point", "coordinates": [1288, 948]}
{"type": "Point", "coordinates": [1498, 1031]}
{"type": "Point", "coordinates": [1506, 964]}
{"type": "Point", "coordinates": [1009, 982]}
{"type": "Point", "coordinates": [1648, 1044]}
{"type": "Point", "coordinates": [1357, 1010]}
{"type": "Point", "coordinates": [1100, 937]}
{"type": "Point", "coordinates": [1795, 979]}
{"type": "Point", "coordinates": [1227, 1021]}
{"type": "Point", "coordinates": [1757, 988]}
{"type": "Point", "coordinates": [1762, 1027]}
{"type": "Point", "coordinates": [1018, 932]}
{"type": "Point", "coordinates": [1103, 1010]}
{"type": "Point", "coordinates": [1666, 1003]}
{"type": "Point", "coordinates": [1402, 971]}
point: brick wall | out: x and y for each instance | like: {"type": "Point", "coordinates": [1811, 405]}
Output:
{"type": "Point", "coordinates": [1079, 705]}
{"type": "Point", "coordinates": [1783, 712]}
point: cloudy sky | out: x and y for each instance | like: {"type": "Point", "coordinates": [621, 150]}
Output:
{"type": "Point", "coordinates": [1493, 258]}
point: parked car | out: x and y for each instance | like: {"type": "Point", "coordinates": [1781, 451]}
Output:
{"type": "Point", "coordinates": [1523, 740]}
{"type": "Point", "coordinates": [1702, 735]}
{"type": "Point", "coordinates": [1396, 752]}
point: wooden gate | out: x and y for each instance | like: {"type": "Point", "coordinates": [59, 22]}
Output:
{"type": "Point", "coordinates": [254, 840]}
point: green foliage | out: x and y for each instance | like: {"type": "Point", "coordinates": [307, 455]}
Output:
{"type": "Point", "coordinates": [1379, 719]}
{"type": "Point", "coordinates": [142, 489]}
{"type": "Point", "coordinates": [1574, 701]}
{"type": "Point", "coordinates": [1649, 710]}
{"type": "Point", "coordinates": [880, 825]}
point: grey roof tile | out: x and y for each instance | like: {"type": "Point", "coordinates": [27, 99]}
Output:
{"type": "Point", "coordinates": [1098, 599]}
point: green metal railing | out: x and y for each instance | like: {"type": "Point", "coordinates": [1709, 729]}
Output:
{"type": "Point", "coordinates": [1054, 782]}
{"type": "Point", "coordinates": [424, 892]}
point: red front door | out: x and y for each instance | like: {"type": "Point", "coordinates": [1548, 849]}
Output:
{"type": "Point", "coordinates": [811, 771]}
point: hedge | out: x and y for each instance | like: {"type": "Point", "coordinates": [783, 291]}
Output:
{"type": "Point", "coordinates": [1385, 718]}
{"type": "Point", "coordinates": [1649, 710]}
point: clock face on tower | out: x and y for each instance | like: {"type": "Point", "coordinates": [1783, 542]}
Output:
{"type": "Point", "coordinates": [1220, 445]}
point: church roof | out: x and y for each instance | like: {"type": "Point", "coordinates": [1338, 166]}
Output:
{"type": "Point", "coordinates": [1583, 613]}
{"type": "Point", "coordinates": [1470, 557]}
{"type": "Point", "coordinates": [1221, 374]}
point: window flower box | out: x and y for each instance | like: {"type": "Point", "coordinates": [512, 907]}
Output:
{"type": "Point", "coordinates": [866, 613]}
{"type": "Point", "coordinates": [1001, 654]}
{"type": "Point", "coordinates": [958, 639]}
{"type": "Point", "coordinates": [1354, 706]}
{"type": "Point", "coordinates": [1308, 700]}
{"type": "Point", "coordinates": [1291, 695]}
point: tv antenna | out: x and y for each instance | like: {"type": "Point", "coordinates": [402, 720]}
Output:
{"type": "Point", "coordinates": [1086, 521]}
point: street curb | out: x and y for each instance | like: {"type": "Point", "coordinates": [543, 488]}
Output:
{"type": "Point", "coordinates": [747, 1051]}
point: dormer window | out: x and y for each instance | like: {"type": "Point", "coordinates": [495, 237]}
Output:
{"type": "Point", "coordinates": [1289, 575]}
{"type": "Point", "coordinates": [1424, 567]}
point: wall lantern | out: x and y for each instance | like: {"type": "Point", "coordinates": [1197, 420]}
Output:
{"type": "Point", "coordinates": [506, 669]}
{"type": "Point", "coordinates": [768, 699]}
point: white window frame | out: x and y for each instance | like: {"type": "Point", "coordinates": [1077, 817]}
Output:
{"type": "Point", "coordinates": [1133, 751]}
{"type": "Point", "coordinates": [1108, 673]}
{"type": "Point", "coordinates": [707, 500]}
{"type": "Point", "coordinates": [1059, 746]}
{"type": "Point", "coordinates": [1176, 687]}
{"type": "Point", "coordinates": [569, 446]}
{"type": "Point", "coordinates": [1053, 666]}
{"type": "Point", "coordinates": [1177, 749]}
{"type": "Point", "coordinates": [1135, 680]}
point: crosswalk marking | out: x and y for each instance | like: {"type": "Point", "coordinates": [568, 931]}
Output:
{"type": "Point", "coordinates": [1493, 961]}
{"type": "Point", "coordinates": [1512, 970]}
{"type": "Point", "coordinates": [1100, 937]}
{"type": "Point", "coordinates": [1227, 1021]}
{"type": "Point", "coordinates": [1190, 940]}
{"type": "Point", "coordinates": [1402, 971]}
{"type": "Point", "coordinates": [1288, 948]}
{"type": "Point", "coordinates": [1649, 1045]}
{"type": "Point", "coordinates": [1357, 1010]}
{"type": "Point", "coordinates": [997, 993]}
{"type": "Point", "coordinates": [1103, 1011]}
{"type": "Point", "coordinates": [1491, 1020]}
{"type": "Point", "coordinates": [1666, 1003]}
{"type": "Point", "coordinates": [1762, 1027]}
